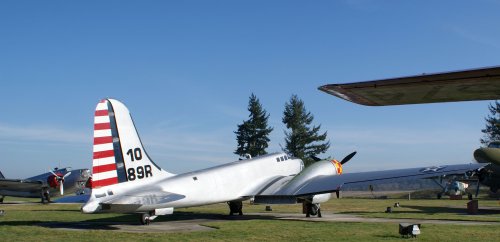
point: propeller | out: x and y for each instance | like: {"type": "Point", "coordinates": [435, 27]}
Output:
{"type": "Point", "coordinates": [348, 157]}
{"type": "Point", "coordinates": [60, 180]}
{"type": "Point", "coordinates": [345, 160]}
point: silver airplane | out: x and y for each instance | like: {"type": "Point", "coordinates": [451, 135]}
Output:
{"type": "Point", "coordinates": [46, 185]}
{"type": "Point", "coordinates": [126, 180]}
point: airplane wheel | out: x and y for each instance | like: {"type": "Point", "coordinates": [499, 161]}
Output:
{"type": "Point", "coordinates": [235, 207]}
{"type": "Point", "coordinates": [313, 209]}
{"type": "Point", "coordinates": [1, 199]}
{"type": "Point", "coordinates": [439, 195]}
{"type": "Point", "coordinates": [145, 219]}
{"type": "Point", "coordinates": [45, 196]}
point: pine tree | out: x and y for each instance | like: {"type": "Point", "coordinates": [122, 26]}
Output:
{"type": "Point", "coordinates": [252, 134]}
{"type": "Point", "coordinates": [302, 141]}
{"type": "Point", "coordinates": [492, 130]}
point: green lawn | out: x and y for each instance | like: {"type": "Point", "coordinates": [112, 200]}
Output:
{"type": "Point", "coordinates": [21, 223]}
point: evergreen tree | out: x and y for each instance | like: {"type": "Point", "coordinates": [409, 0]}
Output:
{"type": "Point", "coordinates": [252, 134]}
{"type": "Point", "coordinates": [302, 141]}
{"type": "Point", "coordinates": [492, 130]}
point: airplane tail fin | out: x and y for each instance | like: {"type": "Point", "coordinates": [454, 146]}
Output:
{"type": "Point", "coordinates": [1, 175]}
{"type": "Point", "coordinates": [119, 155]}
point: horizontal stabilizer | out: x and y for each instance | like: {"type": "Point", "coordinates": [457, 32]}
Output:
{"type": "Point", "coordinates": [146, 198]}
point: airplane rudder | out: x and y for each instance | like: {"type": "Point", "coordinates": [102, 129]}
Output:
{"type": "Point", "coordinates": [107, 161]}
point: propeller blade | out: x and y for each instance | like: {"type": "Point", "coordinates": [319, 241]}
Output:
{"type": "Point", "coordinates": [348, 157]}
{"type": "Point", "coordinates": [67, 174]}
{"type": "Point", "coordinates": [53, 173]}
{"type": "Point", "coordinates": [315, 158]}
{"type": "Point", "coordinates": [61, 187]}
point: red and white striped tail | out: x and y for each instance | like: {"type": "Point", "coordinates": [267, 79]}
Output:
{"type": "Point", "coordinates": [119, 155]}
{"type": "Point", "coordinates": [104, 164]}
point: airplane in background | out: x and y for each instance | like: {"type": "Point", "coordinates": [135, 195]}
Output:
{"type": "Point", "coordinates": [466, 85]}
{"type": "Point", "coordinates": [45, 186]}
{"type": "Point", "coordinates": [126, 180]}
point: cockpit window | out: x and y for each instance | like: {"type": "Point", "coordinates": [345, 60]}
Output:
{"type": "Point", "coordinates": [282, 159]}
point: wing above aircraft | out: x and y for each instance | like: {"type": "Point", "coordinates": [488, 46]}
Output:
{"type": "Point", "coordinates": [468, 85]}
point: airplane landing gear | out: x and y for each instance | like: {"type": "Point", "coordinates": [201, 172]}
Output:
{"type": "Point", "coordinates": [145, 219]}
{"type": "Point", "coordinates": [45, 196]}
{"type": "Point", "coordinates": [1, 199]}
{"type": "Point", "coordinates": [235, 207]}
{"type": "Point", "coordinates": [313, 209]}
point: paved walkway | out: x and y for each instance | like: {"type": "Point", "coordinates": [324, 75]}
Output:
{"type": "Point", "coordinates": [357, 218]}
{"type": "Point", "coordinates": [192, 223]}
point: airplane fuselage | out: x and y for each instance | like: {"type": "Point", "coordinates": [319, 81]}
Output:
{"type": "Point", "coordinates": [229, 182]}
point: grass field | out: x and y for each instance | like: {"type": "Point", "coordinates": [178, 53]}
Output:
{"type": "Point", "coordinates": [21, 222]}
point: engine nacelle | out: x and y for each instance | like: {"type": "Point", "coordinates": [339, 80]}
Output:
{"type": "Point", "coordinates": [321, 198]}
{"type": "Point", "coordinates": [490, 154]}
{"type": "Point", "coordinates": [320, 168]}
{"type": "Point", "coordinates": [53, 181]}
{"type": "Point", "coordinates": [163, 211]}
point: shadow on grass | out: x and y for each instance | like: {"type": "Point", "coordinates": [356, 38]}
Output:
{"type": "Point", "coordinates": [19, 223]}
{"type": "Point", "coordinates": [188, 216]}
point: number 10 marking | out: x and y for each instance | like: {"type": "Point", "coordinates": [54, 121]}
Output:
{"type": "Point", "coordinates": [135, 155]}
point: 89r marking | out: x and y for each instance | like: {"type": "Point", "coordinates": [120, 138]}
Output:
{"type": "Point", "coordinates": [139, 172]}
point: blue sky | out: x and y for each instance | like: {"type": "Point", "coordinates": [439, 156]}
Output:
{"type": "Point", "coordinates": [186, 69]}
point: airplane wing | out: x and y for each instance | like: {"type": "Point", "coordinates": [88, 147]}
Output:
{"type": "Point", "coordinates": [468, 85]}
{"type": "Point", "coordinates": [332, 183]}
{"type": "Point", "coordinates": [20, 185]}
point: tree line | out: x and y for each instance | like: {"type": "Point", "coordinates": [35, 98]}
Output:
{"type": "Point", "coordinates": [491, 133]}
{"type": "Point", "coordinates": [302, 139]}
